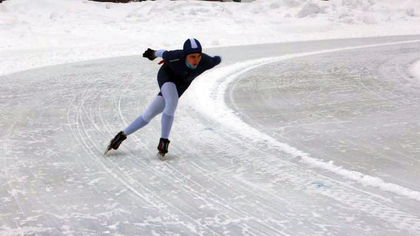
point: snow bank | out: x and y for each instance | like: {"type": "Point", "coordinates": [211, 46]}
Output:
{"type": "Point", "coordinates": [415, 69]}
{"type": "Point", "coordinates": [47, 32]}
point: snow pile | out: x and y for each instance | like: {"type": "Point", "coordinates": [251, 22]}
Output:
{"type": "Point", "coordinates": [415, 70]}
{"type": "Point", "coordinates": [46, 32]}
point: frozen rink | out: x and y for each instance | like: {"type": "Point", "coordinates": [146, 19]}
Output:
{"type": "Point", "coordinates": [307, 138]}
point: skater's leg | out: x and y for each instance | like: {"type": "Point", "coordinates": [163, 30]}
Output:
{"type": "Point", "coordinates": [170, 94]}
{"type": "Point", "coordinates": [155, 108]}
{"type": "Point", "coordinates": [166, 123]}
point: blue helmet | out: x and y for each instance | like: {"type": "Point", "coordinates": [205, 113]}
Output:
{"type": "Point", "coordinates": [192, 46]}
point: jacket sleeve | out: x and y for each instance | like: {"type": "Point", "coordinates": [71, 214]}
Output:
{"type": "Point", "coordinates": [172, 56]}
{"type": "Point", "coordinates": [217, 60]}
{"type": "Point", "coordinates": [212, 61]}
{"type": "Point", "coordinates": [159, 53]}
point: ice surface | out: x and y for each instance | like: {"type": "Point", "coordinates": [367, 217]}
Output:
{"type": "Point", "coordinates": [275, 113]}
{"type": "Point", "coordinates": [236, 180]}
{"type": "Point", "coordinates": [309, 138]}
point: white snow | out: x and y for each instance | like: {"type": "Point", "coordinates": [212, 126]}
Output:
{"type": "Point", "coordinates": [48, 32]}
{"type": "Point", "coordinates": [415, 69]}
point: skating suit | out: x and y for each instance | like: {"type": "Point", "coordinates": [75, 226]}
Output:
{"type": "Point", "coordinates": [175, 69]}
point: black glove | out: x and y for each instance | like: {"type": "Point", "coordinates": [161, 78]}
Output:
{"type": "Point", "coordinates": [150, 54]}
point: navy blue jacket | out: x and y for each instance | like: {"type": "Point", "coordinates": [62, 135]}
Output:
{"type": "Point", "coordinates": [175, 69]}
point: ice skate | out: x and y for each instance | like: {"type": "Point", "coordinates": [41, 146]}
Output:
{"type": "Point", "coordinates": [163, 148]}
{"type": "Point", "coordinates": [116, 142]}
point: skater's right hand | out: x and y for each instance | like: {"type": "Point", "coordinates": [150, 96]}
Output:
{"type": "Point", "coordinates": [150, 54]}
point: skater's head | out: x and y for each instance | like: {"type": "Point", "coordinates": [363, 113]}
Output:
{"type": "Point", "coordinates": [192, 51]}
{"type": "Point", "coordinates": [192, 46]}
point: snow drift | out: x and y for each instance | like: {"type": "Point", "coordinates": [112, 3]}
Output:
{"type": "Point", "coordinates": [47, 32]}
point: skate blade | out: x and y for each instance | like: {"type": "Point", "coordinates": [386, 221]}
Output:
{"type": "Point", "coordinates": [107, 150]}
{"type": "Point", "coordinates": [161, 155]}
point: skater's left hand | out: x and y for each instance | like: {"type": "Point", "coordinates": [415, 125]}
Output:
{"type": "Point", "coordinates": [150, 54]}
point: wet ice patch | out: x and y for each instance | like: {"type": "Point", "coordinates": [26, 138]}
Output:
{"type": "Point", "coordinates": [318, 184]}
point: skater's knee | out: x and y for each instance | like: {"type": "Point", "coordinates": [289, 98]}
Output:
{"type": "Point", "coordinates": [169, 91]}
{"type": "Point", "coordinates": [170, 108]}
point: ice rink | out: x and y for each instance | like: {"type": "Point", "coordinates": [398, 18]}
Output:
{"type": "Point", "coordinates": [304, 138]}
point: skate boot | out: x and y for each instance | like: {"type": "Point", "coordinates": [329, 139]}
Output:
{"type": "Point", "coordinates": [163, 147]}
{"type": "Point", "coordinates": [116, 141]}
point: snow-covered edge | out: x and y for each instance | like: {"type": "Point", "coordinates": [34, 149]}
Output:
{"type": "Point", "coordinates": [415, 69]}
{"type": "Point", "coordinates": [208, 97]}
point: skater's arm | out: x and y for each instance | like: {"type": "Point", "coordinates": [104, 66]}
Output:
{"type": "Point", "coordinates": [159, 53]}
{"type": "Point", "coordinates": [211, 62]}
{"type": "Point", "coordinates": [216, 60]}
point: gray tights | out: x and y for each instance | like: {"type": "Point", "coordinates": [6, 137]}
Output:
{"type": "Point", "coordinates": [166, 103]}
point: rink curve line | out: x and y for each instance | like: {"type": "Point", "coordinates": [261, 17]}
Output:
{"type": "Point", "coordinates": [175, 174]}
{"type": "Point", "coordinates": [208, 97]}
{"type": "Point", "coordinates": [148, 195]}
{"type": "Point", "coordinates": [83, 111]}
{"type": "Point", "coordinates": [78, 134]}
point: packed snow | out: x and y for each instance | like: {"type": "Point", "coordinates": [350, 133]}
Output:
{"type": "Point", "coordinates": [415, 69]}
{"type": "Point", "coordinates": [47, 32]}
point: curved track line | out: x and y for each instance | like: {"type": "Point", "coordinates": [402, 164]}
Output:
{"type": "Point", "coordinates": [209, 99]}
{"type": "Point", "coordinates": [176, 174]}
{"type": "Point", "coordinates": [122, 177]}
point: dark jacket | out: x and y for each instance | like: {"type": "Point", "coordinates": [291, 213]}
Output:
{"type": "Point", "coordinates": [176, 69]}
